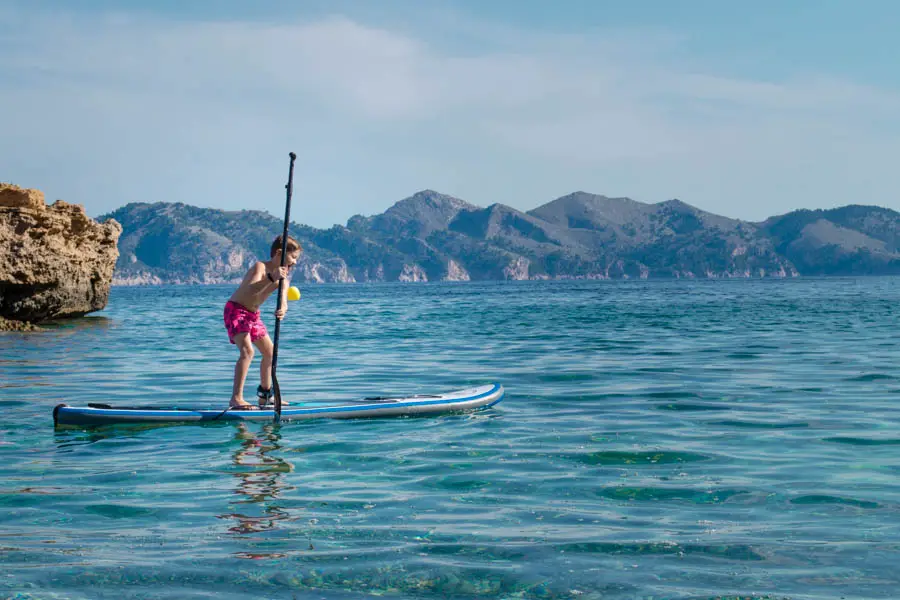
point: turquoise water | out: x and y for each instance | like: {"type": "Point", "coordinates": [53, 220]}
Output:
{"type": "Point", "coordinates": [715, 439]}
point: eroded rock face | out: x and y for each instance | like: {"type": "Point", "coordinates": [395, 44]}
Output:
{"type": "Point", "coordinates": [55, 261]}
{"type": "Point", "coordinates": [517, 269]}
{"type": "Point", "coordinates": [333, 270]}
{"type": "Point", "coordinates": [412, 273]}
{"type": "Point", "coordinates": [455, 272]}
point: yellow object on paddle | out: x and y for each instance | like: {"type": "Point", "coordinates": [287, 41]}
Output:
{"type": "Point", "coordinates": [293, 293]}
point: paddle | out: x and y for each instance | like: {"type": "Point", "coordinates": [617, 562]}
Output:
{"type": "Point", "coordinates": [284, 238]}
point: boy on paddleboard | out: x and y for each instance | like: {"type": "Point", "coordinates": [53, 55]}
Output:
{"type": "Point", "coordinates": [246, 329]}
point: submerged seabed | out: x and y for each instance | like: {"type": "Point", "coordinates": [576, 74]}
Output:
{"type": "Point", "coordinates": [715, 439]}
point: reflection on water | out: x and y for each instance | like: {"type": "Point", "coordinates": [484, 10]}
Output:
{"type": "Point", "coordinates": [67, 440]}
{"type": "Point", "coordinates": [68, 436]}
{"type": "Point", "coordinates": [260, 481]}
{"type": "Point", "coordinates": [57, 328]}
{"type": "Point", "coordinates": [65, 326]}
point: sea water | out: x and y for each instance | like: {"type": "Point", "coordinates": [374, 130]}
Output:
{"type": "Point", "coordinates": [658, 439]}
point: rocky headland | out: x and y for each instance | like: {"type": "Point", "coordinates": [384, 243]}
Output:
{"type": "Point", "coordinates": [55, 261]}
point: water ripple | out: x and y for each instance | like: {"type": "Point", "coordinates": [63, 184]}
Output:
{"type": "Point", "coordinates": [688, 439]}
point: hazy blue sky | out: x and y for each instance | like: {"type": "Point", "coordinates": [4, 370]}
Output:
{"type": "Point", "coordinates": [746, 109]}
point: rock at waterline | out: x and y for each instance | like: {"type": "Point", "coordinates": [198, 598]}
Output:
{"type": "Point", "coordinates": [24, 326]}
{"type": "Point", "coordinates": [55, 261]}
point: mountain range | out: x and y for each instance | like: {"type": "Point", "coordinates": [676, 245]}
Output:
{"type": "Point", "coordinates": [431, 237]}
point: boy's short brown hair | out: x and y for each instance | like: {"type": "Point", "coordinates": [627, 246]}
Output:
{"type": "Point", "coordinates": [292, 246]}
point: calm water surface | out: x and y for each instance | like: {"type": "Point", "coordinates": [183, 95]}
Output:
{"type": "Point", "coordinates": [716, 439]}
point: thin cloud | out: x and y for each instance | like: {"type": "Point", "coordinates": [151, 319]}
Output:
{"type": "Point", "coordinates": [611, 102]}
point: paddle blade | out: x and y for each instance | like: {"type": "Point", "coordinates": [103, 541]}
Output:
{"type": "Point", "coordinates": [277, 389]}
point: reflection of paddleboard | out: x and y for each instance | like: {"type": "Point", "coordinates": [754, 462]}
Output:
{"type": "Point", "coordinates": [459, 400]}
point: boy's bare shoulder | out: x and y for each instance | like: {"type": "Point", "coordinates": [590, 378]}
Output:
{"type": "Point", "coordinates": [255, 271]}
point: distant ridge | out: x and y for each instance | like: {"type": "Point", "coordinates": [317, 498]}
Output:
{"type": "Point", "coordinates": [431, 236]}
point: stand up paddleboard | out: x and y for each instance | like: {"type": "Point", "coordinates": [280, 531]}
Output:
{"type": "Point", "coordinates": [460, 400]}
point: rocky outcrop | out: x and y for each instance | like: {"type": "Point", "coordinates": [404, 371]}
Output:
{"type": "Point", "coordinates": [55, 261]}
{"type": "Point", "coordinates": [24, 326]}
{"type": "Point", "coordinates": [455, 272]}
{"type": "Point", "coordinates": [138, 278]}
{"type": "Point", "coordinates": [412, 273]}
{"type": "Point", "coordinates": [332, 271]}
{"type": "Point", "coordinates": [517, 269]}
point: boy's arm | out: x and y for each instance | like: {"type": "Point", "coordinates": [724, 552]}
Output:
{"type": "Point", "coordinates": [284, 300]}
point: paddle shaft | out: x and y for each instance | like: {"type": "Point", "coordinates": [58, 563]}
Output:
{"type": "Point", "coordinates": [284, 239]}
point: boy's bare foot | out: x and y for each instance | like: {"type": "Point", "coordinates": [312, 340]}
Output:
{"type": "Point", "coordinates": [240, 404]}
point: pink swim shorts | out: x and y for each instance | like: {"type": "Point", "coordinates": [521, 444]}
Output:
{"type": "Point", "coordinates": [240, 320]}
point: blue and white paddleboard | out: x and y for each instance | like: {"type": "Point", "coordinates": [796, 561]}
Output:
{"type": "Point", "coordinates": [459, 400]}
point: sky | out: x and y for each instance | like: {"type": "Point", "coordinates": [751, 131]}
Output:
{"type": "Point", "coordinates": [744, 109]}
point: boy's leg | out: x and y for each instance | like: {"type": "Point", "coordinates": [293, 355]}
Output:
{"type": "Point", "coordinates": [242, 341]}
{"type": "Point", "coordinates": [266, 348]}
